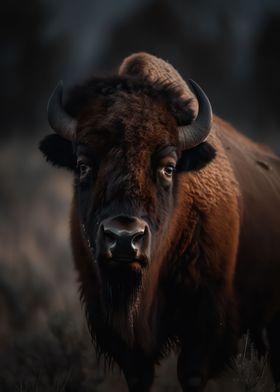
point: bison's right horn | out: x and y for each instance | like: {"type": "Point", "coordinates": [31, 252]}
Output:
{"type": "Point", "coordinates": [195, 133]}
{"type": "Point", "coordinates": [63, 124]}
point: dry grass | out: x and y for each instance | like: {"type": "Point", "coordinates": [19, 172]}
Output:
{"type": "Point", "coordinates": [252, 371]}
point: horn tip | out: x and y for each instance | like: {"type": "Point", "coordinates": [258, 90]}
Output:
{"type": "Point", "coordinates": [57, 92]}
{"type": "Point", "coordinates": [59, 86]}
{"type": "Point", "coordinates": [196, 88]}
{"type": "Point", "coordinates": [60, 83]}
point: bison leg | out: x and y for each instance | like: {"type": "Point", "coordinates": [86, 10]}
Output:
{"type": "Point", "coordinates": [273, 331]}
{"type": "Point", "coordinates": [192, 372]}
{"type": "Point", "coordinates": [139, 373]}
{"type": "Point", "coordinates": [207, 343]}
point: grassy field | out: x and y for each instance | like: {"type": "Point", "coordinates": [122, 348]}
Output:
{"type": "Point", "coordinates": [44, 342]}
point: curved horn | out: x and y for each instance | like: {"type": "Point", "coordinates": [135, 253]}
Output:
{"type": "Point", "coordinates": [63, 124]}
{"type": "Point", "coordinates": [155, 69]}
{"type": "Point", "coordinates": [192, 135]}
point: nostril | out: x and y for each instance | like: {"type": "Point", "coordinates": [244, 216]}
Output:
{"type": "Point", "coordinates": [137, 239]}
{"type": "Point", "coordinates": [110, 238]}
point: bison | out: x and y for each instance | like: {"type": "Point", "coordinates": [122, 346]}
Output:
{"type": "Point", "coordinates": [174, 223]}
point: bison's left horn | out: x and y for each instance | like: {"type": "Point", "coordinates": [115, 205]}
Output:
{"type": "Point", "coordinates": [60, 121]}
{"type": "Point", "coordinates": [192, 135]}
{"type": "Point", "coordinates": [154, 69]}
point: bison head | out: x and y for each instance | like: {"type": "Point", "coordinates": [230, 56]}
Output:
{"type": "Point", "coordinates": [127, 139]}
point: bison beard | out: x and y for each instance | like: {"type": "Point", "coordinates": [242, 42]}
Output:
{"type": "Point", "coordinates": [201, 214]}
{"type": "Point", "coordinates": [122, 293]}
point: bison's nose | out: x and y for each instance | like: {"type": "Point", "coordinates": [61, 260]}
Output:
{"type": "Point", "coordinates": [123, 239]}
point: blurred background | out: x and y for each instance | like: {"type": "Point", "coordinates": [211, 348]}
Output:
{"type": "Point", "coordinates": [232, 48]}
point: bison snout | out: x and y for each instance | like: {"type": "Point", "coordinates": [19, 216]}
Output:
{"type": "Point", "coordinates": [123, 239]}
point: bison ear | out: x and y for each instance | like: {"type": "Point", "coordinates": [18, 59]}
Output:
{"type": "Point", "coordinates": [58, 151]}
{"type": "Point", "coordinates": [196, 158]}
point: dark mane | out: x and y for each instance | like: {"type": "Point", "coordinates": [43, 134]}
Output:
{"type": "Point", "coordinates": [79, 96]}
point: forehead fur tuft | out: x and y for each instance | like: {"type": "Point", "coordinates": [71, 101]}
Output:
{"type": "Point", "coordinates": [80, 96]}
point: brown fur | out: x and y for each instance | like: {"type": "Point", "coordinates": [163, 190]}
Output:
{"type": "Point", "coordinates": [210, 229]}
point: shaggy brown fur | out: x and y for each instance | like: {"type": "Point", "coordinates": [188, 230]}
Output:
{"type": "Point", "coordinates": [214, 238]}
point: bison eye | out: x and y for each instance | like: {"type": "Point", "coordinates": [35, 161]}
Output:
{"type": "Point", "coordinates": [84, 170]}
{"type": "Point", "coordinates": [168, 170]}
{"type": "Point", "coordinates": [166, 173]}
